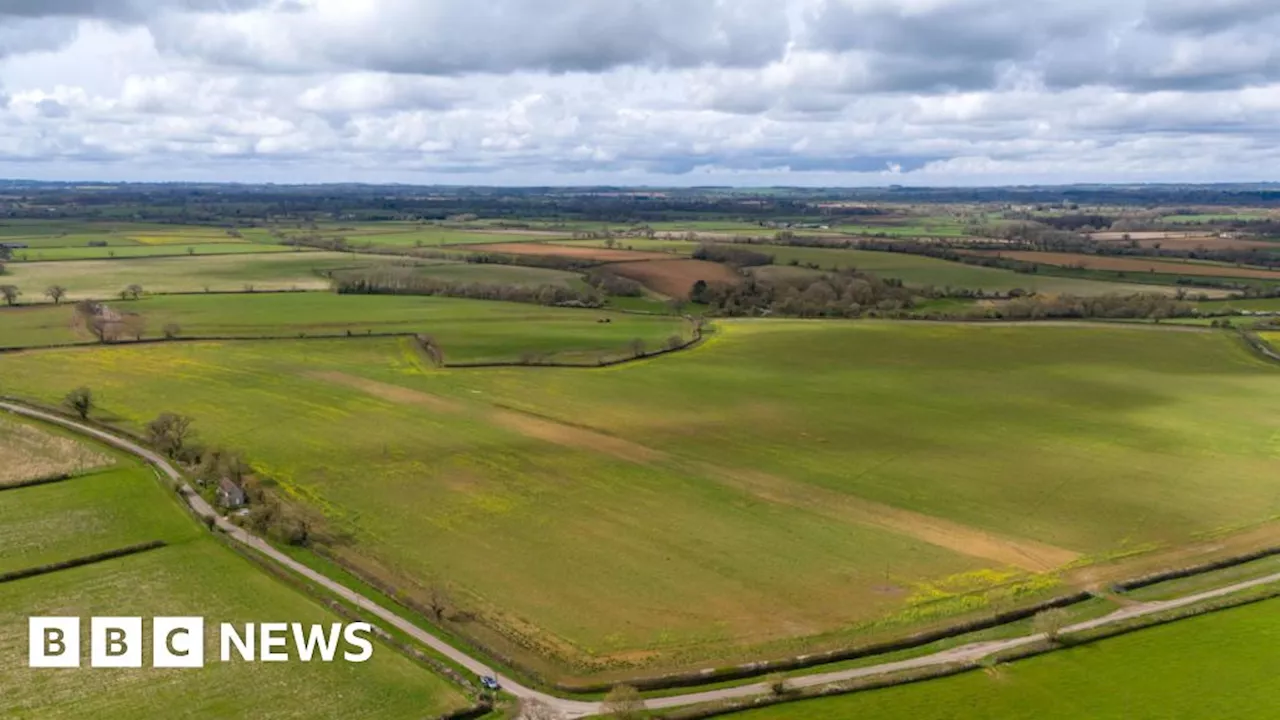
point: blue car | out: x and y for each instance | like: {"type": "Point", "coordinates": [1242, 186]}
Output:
{"type": "Point", "coordinates": [490, 683]}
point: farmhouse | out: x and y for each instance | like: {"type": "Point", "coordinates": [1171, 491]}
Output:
{"type": "Point", "coordinates": [231, 495]}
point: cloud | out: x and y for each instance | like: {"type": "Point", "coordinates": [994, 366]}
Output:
{"type": "Point", "coordinates": [449, 37]}
{"type": "Point", "coordinates": [657, 91]}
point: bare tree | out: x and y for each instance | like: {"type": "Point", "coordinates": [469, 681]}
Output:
{"type": "Point", "coordinates": [11, 294]}
{"type": "Point", "coordinates": [437, 602]}
{"type": "Point", "coordinates": [169, 432]}
{"type": "Point", "coordinates": [637, 347]}
{"type": "Point", "coordinates": [133, 292]}
{"type": "Point", "coordinates": [56, 293]}
{"type": "Point", "coordinates": [624, 702]}
{"type": "Point", "coordinates": [172, 331]}
{"type": "Point", "coordinates": [675, 342]}
{"type": "Point", "coordinates": [133, 325]}
{"type": "Point", "coordinates": [1051, 623]}
{"type": "Point", "coordinates": [80, 401]}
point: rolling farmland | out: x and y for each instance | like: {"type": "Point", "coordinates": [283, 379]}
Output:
{"type": "Point", "coordinates": [1154, 674]}
{"type": "Point", "coordinates": [911, 513]}
{"type": "Point", "coordinates": [193, 574]}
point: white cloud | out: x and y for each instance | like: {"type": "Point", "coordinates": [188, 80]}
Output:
{"type": "Point", "coordinates": [657, 91]}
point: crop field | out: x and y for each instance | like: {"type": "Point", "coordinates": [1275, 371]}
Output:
{"type": "Point", "coordinates": [101, 279]}
{"type": "Point", "coordinates": [199, 578]}
{"type": "Point", "coordinates": [1209, 667]}
{"type": "Point", "coordinates": [31, 453]}
{"type": "Point", "coordinates": [90, 514]}
{"type": "Point", "coordinates": [676, 247]}
{"type": "Point", "coordinates": [1136, 265]}
{"type": "Point", "coordinates": [919, 271]}
{"type": "Point", "coordinates": [429, 237]}
{"type": "Point", "coordinates": [492, 273]}
{"type": "Point", "coordinates": [567, 251]}
{"type": "Point", "coordinates": [743, 497]}
{"type": "Point", "coordinates": [143, 251]}
{"type": "Point", "coordinates": [674, 278]}
{"type": "Point", "coordinates": [467, 330]}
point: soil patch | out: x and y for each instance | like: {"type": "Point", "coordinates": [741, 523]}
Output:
{"type": "Point", "coordinates": [674, 278]}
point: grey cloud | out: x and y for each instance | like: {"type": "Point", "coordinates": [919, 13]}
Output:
{"type": "Point", "coordinates": [128, 10]}
{"type": "Point", "coordinates": [449, 37]}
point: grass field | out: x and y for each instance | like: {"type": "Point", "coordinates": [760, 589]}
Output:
{"type": "Point", "coordinates": [428, 237]}
{"type": "Point", "coordinates": [199, 578]}
{"type": "Point", "coordinates": [741, 498]}
{"type": "Point", "coordinates": [467, 330]}
{"type": "Point", "coordinates": [143, 251]}
{"type": "Point", "coordinates": [1155, 674]}
{"type": "Point", "coordinates": [106, 510]}
{"type": "Point", "coordinates": [494, 274]}
{"type": "Point", "coordinates": [1136, 265]}
{"type": "Point", "coordinates": [31, 453]}
{"type": "Point", "coordinates": [193, 575]}
{"type": "Point", "coordinates": [919, 271]}
{"type": "Point", "coordinates": [101, 279]}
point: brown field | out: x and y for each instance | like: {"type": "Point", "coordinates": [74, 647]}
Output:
{"type": "Point", "coordinates": [674, 278]}
{"type": "Point", "coordinates": [1126, 264]}
{"type": "Point", "coordinates": [29, 453]}
{"type": "Point", "coordinates": [568, 251]}
{"type": "Point", "coordinates": [1142, 235]}
{"type": "Point", "coordinates": [1182, 241]}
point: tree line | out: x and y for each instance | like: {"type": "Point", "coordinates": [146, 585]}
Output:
{"type": "Point", "coordinates": [404, 281]}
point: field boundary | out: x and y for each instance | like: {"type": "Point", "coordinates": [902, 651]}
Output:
{"type": "Point", "coordinates": [1124, 620]}
{"type": "Point", "coordinates": [82, 561]}
{"type": "Point", "coordinates": [61, 477]}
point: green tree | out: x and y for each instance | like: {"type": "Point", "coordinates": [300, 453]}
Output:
{"type": "Point", "coordinates": [56, 293]}
{"type": "Point", "coordinates": [80, 401]}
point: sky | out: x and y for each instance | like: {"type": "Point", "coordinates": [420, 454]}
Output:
{"type": "Point", "coordinates": [641, 92]}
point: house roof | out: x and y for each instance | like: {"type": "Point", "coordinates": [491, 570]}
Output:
{"type": "Point", "coordinates": [230, 488]}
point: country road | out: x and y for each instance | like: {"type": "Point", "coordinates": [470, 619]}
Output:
{"type": "Point", "coordinates": [577, 708]}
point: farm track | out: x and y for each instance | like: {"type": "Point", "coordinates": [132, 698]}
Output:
{"type": "Point", "coordinates": [570, 708]}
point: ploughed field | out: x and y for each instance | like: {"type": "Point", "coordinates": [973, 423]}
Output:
{"type": "Point", "coordinates": [1204, 668]}
{"type": "Point", "coordinates": [193, 575]}
{"type": "Point", "coordinates": [787, 486]}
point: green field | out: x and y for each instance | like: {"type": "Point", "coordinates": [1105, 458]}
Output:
{"type": "Point", "coordinates": [1209, 667]}
{"type": "Point", "coordinates": [739, 499]}
{"type": "Point", "coordinates": [106, 510]}
{"type": "Point", "coordinates": [101, 279]}
{"type": "Point", "coordinates": [494, 274]}
{"type": "Point", "coordinates": [920, 271]}
{"type": "Point", "coordinates": [467, 330]}
{"type": "Point", "coordinates": [431, 237]}
{"type": "Point", "coordinates": [1214, 217]}
{"type": "Point", "coordinates": [144, 251]}
{"type": "Point", "coordinates": [199, 578]}
{"type": "Point", "coordinates": [193, 575]}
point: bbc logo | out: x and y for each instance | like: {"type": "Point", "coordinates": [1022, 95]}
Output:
{"type": "Point", "coordinates": [116, 642]}
{"type": "Point", "coordinates": [179, 642]}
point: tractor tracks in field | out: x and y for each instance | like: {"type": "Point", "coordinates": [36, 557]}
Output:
{"type": "Point", "coordinates": [572, 708]}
